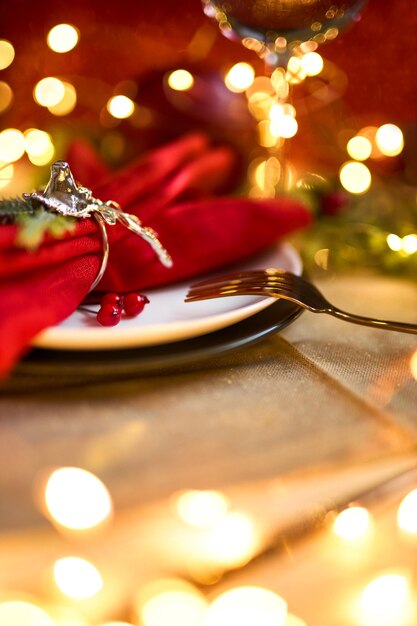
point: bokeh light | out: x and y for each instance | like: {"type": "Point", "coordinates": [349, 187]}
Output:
{"type": "Point", "coordinates": [174, 608]}
{"type": "Point", "coordinates": [161, 592]}
{"type": "Point", "coordinates": [279, 84]}
{"type": "Point", "coordinates": [312, 63]}
{"type": "Point", "coordinates": [384, 600]}
{"type": "Point", "coordinates": [77, 499]}
{"type": "Point", "coordinates": [262, 84]}
{"type": "Point", "coordinates": [321, 258]}
{"type": "Point", "coordinates": [296, 72]}
{"type": "Point", "coordinates": [180, 80]}
{"type": "Point", "coordinates": [6, 174]}
{"type": "Point", "coordinates": [120, 107]}
{"type": "Point", "coordinates": [240, 77]}
{"type": "Point", "coordinates": [39, 146]}
{"type": "Point", "coordinates": [37, 142]}
{"type": "Point", "coordinates": [12, 145]}
{"type": "Point", "coordinates": [406, 244]}
{"type": "Point", "coordinates": [62, 38]}
{"type": "Point", "coordinates": [17, 613]}
{"type": "Point", "coordinates": [359, 148]}
{"type": "Point", "coordinates": [247, 606]}
{"type": "Point", "coordinates": [6, 54]}
{"type": "Point", "coordinates": [394, 242]}
{"type": "Point", "coordinates": [409, 243]}
{"type": "Point", "coordinates": [266, 175]}
{"type": "Point", "coordinates": [201, 509]}
{"type": "Point", "coordinates": [259, 104]}
{"type": "Point", "coordinates": [284, 126]}
{"type": "Point", "coordinates": [355, 177]}
{"type": "Point", "coordinates": [77, 578]}
{"type": "Point", "coordinates": [331, 33]}
{"type": "Point", "coordinates": [49, 91]}
{"type": "Point", "coordinates": [276, 111]}
{"type": "Point", "coordinates": [352, 524]}
{"type": "Point", "coordinates": [260, 174]}
{"type": "Point", "coordinates": [6, 96]}
{"type": "Point", "coordinates": [308, 46]}
{"type": "Point", "coordinates": [407, 511]}
{"type": "Point", "coordinates": [44, 158]}
{"type": "Point", "coordinates": [67, 103]}
{"type": "Point", "coordinates": [265, 137]}
{"type": "Point", "coordinates": [369, 132]}
{"type": "Point", "coordinates": [171, 602]}
{"type": "Point", "coordinates": [289, 109]}
{"type": "Point", "coordinates": [389, 139]}
{"type": "Point", "coordinates": [233, 540]}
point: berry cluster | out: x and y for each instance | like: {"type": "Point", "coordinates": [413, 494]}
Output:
{"type": "Point", "coordinates": [112, 305]}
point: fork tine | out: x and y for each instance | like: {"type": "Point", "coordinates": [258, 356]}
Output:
{"type": "Point", "coordinates": [280, 280]}
{"type": "Point", "coordinates": [240, 275]}
{"type": "Point", "coordinates": [241, 287]}
{"type": "Point", "coordinates": [241, 290]}
{"type": "Point", "coordinates": [244, 292]}
{"type": "Point", "coordinates": [250, 289]}
{"type": "Point", "coordinates": [258, 278]}
{"type": "Point", "coordinates": [258, 283]}
{"type": "Point", "coordinates": [271, 282]}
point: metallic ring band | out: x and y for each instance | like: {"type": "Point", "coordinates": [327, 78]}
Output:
{"type": "Point", "coordinates": [64, 196]}
{"type": "Point", "coordinates": [105, 251]}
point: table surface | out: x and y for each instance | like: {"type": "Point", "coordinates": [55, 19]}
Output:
{"type": "Point", "coordinates": [325, 406]}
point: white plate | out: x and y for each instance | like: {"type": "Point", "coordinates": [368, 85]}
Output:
{"type": "Point", "coordinates": [167, 317]}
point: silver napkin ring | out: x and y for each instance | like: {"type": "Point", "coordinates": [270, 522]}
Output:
{"type": "Point", "coordinates": [63, 195]}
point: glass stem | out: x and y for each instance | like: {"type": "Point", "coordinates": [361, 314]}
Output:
{"type": "Point", "coordinates": [282, 149]}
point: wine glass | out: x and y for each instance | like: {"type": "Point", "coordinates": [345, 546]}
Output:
{"type": "Point", "coordinates": [274, 28]}
{"type": "Point", "coordinates": [282, 33]}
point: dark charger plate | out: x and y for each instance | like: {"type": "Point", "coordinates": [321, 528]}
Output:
{"type": "Point", "coordinates": [154, 359]}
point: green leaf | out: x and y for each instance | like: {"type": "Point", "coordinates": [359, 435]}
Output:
{"type": "Point", "coordinates": [32, 229]}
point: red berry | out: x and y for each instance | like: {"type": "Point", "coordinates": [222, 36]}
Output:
{"type": "Point", "coordinates": [112, 298]}
{"type": "Point", "coordinates": [134, 303]}
{"type": "Point", "coordinates": [109, 315]}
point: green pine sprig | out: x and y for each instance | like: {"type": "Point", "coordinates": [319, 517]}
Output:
{"type": "Point", "coordinates": [12, 208]}
{"type": "Point", "coordinates": [33, 222]}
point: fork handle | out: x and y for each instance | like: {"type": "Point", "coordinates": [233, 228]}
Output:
{"type": "Point", "coordinates": [402, 327]}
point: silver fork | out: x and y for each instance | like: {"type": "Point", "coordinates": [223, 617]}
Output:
{"type": "Point", "coordinates": [279, 283]}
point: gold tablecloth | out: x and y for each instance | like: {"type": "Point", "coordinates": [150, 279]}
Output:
{"type": "Point", "coordinates": [325, 407]}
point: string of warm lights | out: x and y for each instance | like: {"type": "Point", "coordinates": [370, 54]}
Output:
{"type": "Point", "coordinates": [277, 121]}
{"type": "Point", "coordinates": [369, 143]}
{"type": "Point", "coordinates": [267, 102]}
{"type": "Point", "coordinates": [77, 500]}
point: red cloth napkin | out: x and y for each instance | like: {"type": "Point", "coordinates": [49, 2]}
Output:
{"type": "Point", "coordinates": [172, 190]}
